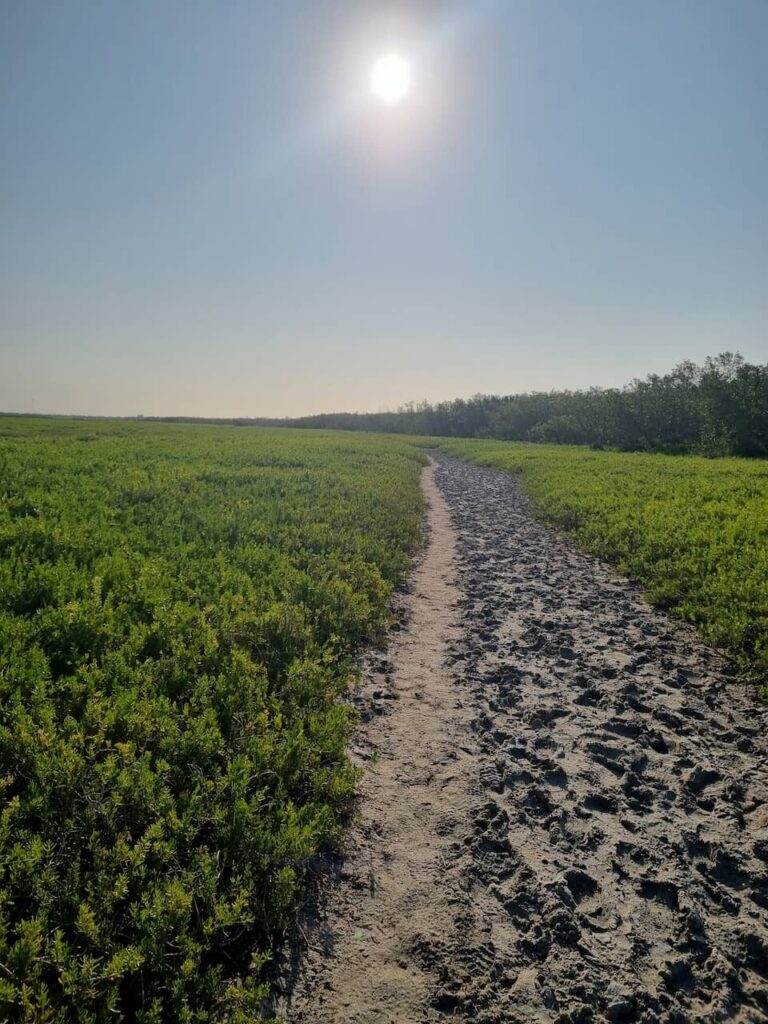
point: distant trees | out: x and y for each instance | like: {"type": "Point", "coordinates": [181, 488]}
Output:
{"type": "Point", "coordinates": [718, 408]}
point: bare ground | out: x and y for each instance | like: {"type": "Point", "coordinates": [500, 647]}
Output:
{"type": "Point", "coordinates": [566, 817]}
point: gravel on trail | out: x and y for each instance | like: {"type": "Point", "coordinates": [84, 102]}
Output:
{"type": "Point", "coordinates": [607, 854]}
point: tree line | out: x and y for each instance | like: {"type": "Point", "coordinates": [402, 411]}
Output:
{"type": "Point", "coordinates": [717, 408]}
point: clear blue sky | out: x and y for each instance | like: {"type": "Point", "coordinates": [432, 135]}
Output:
{"type": "Point", "coordinates": [203, 210]}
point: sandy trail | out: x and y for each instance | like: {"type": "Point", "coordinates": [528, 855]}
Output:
{"type": "Point", "coordinates": [414, 801]}
{"type": "Point", "coordinates": [569, 824]}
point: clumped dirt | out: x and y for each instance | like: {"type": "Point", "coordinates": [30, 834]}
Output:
{"type": "Point", "coordinates": [568, 817]}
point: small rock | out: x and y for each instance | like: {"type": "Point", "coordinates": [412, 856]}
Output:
{"type": "Point", "coordinates": [620, 1009]}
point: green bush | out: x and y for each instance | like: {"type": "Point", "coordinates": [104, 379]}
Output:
{"type": "Point", "coordinates": [180, 607]}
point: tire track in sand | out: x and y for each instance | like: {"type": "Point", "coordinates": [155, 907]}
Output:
{"type": "Point", "coordinates": [570, 824]}
{"type": "Point", "coordinates": [624, 827]}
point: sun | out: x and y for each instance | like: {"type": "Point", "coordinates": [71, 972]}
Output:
{"type": "Point", "coordinates": [390, 78]}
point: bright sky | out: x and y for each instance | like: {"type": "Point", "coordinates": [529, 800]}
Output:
{"type": "Point", "coordinates": [205, 210]}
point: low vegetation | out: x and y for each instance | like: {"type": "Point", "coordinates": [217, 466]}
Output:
{"type": "Point", "coordinates": [694, 531]}
{"type": "Point", "coordinates": [179, 610]}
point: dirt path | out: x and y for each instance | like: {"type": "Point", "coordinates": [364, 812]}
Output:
{"type": "Point", "coordinates": [415, 798]}
{"type": "Point", "coordinates": [570, 824]}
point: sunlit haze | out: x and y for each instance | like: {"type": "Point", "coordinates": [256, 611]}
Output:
{"type": "Point", "coordinates": [390, 78]}
{"type": "Point", "coordinates": [276, 209]}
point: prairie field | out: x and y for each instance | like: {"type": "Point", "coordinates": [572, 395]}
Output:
{"type": "Point", "coordinates": [180, 607]}
{"type": "Point", "coordinates": [692, 530]}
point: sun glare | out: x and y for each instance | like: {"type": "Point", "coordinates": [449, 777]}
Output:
{"type": "Point", "coordinates": [390, 78]}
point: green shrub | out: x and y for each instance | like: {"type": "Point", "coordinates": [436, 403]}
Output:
{"type": "Point", "coordinates": [180, 607]}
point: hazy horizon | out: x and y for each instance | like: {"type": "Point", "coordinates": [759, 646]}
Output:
{"type": "Point", "coordinates": [191, 414]}
{"type": "Point", "coordinates": [205, 213]}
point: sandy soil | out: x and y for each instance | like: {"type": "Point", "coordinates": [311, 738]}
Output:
{"type": "Point", "coordinates": [567, 819]}
{"type": "Point", "coordinates": [362, 963]}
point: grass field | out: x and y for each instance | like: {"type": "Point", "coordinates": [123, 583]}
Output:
{"type": "Point", "coordinates": [693, 531]}
{"type": "Point", "coordinates": [178, 610]}
{"type": "Point", "coordinates": [180, 607]}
